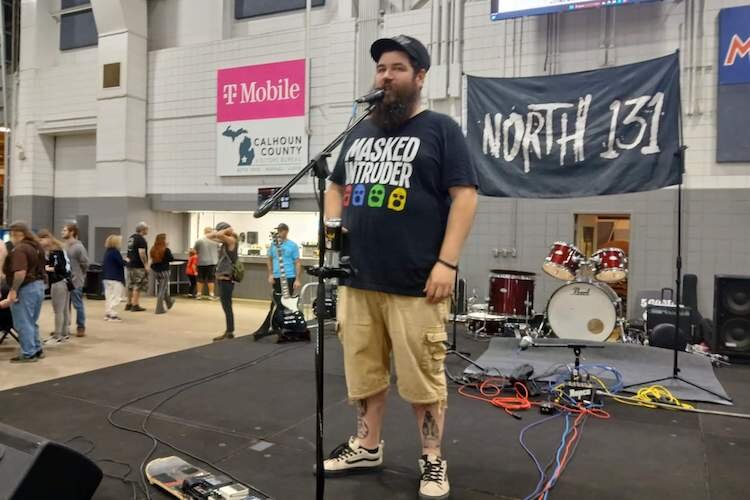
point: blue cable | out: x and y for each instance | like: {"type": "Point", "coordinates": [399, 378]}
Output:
{"type": "Point", "coordinates": [557, 455]}
{"type": "Point", "coordinates": [531, 453]}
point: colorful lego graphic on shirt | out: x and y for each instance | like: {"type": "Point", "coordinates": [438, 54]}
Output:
{"type": "Point", "coordinates": [378, 172]}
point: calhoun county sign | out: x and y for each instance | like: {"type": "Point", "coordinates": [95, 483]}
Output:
{"type": "Point", "coordinates": [260, 119]}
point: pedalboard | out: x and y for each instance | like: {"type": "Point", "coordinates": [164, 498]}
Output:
{"type": "Point", "coordinates": [580, 391]}
{"type": "Point", "coordinates": [211, 487]}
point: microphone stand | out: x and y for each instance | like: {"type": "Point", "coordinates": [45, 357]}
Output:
{"type": "Point", "coordinates": [319, 168]}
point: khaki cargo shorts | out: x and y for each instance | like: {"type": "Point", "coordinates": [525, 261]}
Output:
{"type": "Point", "coordinates": [371, 325]}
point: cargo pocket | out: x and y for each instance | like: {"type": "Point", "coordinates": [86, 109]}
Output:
{"type": "Point", "coordinates": [435, 349]}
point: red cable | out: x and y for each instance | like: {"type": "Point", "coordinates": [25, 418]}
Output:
{"type": "Point", "coordinates": [489, 391]}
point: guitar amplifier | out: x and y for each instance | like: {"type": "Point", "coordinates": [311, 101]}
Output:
{"type": "Point", "coordinates": [660, 320]}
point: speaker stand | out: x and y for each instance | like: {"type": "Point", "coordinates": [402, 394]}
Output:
{"type": "Point", "coordinates": [678, 268]}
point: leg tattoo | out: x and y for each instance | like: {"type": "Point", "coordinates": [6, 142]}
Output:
{"type": "Point", "coordinates": [362, 429]}
{"type": "Point", "coordinates": [430, 431]}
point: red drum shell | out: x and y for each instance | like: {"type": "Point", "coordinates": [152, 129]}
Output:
{"type": "Point", "coordinates": [611, 265]}
{"type": "Point", "coordinates": [511, 293]}
{"type": "Point", "coordinates": [563, 261]}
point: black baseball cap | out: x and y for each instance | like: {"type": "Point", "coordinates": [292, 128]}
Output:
{"type": "Point", "coordinates": [402, 43]}
{"type": "Point", "coordinates": [282, 227]}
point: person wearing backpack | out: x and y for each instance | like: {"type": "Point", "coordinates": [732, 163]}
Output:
{"type": "Point", "coordinates": [227, 272]}
{"type": "Point", "coordinates": [58, 276]}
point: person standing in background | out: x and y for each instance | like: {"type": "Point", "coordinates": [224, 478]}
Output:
{"type": "Point", "coordinates": [208, 257]}
{"type": "Point", "coordinates": [113, 276]}
{"type": "Point", "coordinates": [225, 235]}
{"type": "Point", "coordinates": [79, 264]}
{"type": "Point", "coordinates": [290, 260]}
{"type": "Point", "coordinates": [137, 263]}
{"type": "Point", "coordinates": [58, 277]}
{"type": "Point", "coordinates": [191, 271]}
{"type": "Point", "coordinates": [161, 256]}
{"type": "Point", "coordinates": [24, 270]}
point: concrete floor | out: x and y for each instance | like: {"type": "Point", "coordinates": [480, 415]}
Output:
{"type": "Point", "coordinates": [141, 335]}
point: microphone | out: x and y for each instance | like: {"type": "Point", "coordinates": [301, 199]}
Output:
{"type": "Point", "coordinates": [525, 342]}
{"type": "Point", "coordinates": [371, 97]}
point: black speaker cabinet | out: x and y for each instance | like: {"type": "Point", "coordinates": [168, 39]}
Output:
{"type": "Point", "coordinates": [731, 315]}
{"type": "Point", "coordinates": [33, 468]}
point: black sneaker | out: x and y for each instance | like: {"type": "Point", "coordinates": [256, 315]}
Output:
{"type": "Point", "coordinates": [137, 308]}
{"type": "Point", "coordinates": [23, 359]}
{"type": "Point", "coordinates": [351, 458]}
{"type": "Point", "coordinates": [128, 307]}
{"type": "Point", "coordinates": [433, 484]}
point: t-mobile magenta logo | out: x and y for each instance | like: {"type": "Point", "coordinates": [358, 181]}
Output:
{"type": "Point", "coordinates": [258, 92]}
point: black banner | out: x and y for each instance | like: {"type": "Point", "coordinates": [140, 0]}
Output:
{"type": "Point", "coordinates": [600, 132]}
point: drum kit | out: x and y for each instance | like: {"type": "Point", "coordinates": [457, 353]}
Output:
{"type": "Point", "coordinates": [584, 308]}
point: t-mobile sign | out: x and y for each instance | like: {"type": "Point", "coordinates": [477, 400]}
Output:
{"type": "Point", "coordinates": [260, 119]}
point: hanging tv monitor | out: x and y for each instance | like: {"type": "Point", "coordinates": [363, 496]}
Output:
{"type": "Point", "coordinates": [508, 9]}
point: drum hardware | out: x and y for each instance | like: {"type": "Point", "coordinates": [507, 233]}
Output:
{"type": "Point", "coordinates": [566, 262]}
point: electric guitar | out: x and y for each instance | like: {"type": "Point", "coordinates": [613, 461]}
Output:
{"type": "Point", "coordinates": [289, 302]}
{"type": "Point", "coordinates": [288, 318]}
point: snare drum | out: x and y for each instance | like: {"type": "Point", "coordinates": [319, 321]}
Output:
{"type": "Point", "coordinates": [483, 323]}
{"type": "Point", "coordinates": [563, 261]}
{"type": "Point", "coordinates": [611, 265]}
{"type": "Point", "coordinates": [511, 293]}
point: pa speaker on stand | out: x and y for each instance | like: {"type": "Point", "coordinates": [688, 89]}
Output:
{"type": "Point", "coordinates": [731, 316]}
{"type": "Point", "coordinates": [34, 468]}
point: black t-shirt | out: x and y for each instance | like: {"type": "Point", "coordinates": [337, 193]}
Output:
{"type": "Point", "coordinates": [396, 199]}
{"type": "Point", "coordinates": [135, 242]}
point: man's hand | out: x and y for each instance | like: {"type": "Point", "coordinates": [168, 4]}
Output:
{"type": "Point", "coordinates": [270, 279]}
{"type": "Point", "coordinates": [297, 284]}
{"type": "Point", "coordinates": [440, 283]}
{"type": "Point", "coordinates": [12, 297]}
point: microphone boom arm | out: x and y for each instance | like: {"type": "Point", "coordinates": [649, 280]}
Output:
{"type": "Point", "coordinates": [318, 164]}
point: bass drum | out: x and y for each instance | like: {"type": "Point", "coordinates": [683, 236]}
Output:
{"type": "Point", "coordinates": [584, 311]}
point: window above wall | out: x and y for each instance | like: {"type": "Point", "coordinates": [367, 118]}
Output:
{"type": "Point", "coordinates": [77, 25]}
{"type": "Point", "coordinates": [244, 9]}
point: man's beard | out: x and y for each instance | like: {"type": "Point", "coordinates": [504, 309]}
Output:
{"type": "Point", "coordinates": [396, 108]}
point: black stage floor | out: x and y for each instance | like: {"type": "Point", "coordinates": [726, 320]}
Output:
{"type": "Point", "coordinates": [638, 453]}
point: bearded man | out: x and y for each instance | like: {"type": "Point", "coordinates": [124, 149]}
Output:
{"type": "Point", "coordinates": [406, 191]}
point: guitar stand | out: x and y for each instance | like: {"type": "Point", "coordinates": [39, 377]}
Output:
{"type": "Point", "coordinates": [266, 330]}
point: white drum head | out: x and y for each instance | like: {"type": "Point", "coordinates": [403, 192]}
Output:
{"type": "Point", "coordinates": [558, 271]}
{"type": "Point", "coordinates": [582, 311]}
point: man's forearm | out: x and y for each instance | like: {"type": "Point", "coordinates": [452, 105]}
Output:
{"type": "Point", "coordinates": [18, 278]}
{"type": "Point", "coordinates": [334, 201]}
{"type": "Point", "coordinates": [460, 220]}
{"type": "Point", "coordinates": [298, 268]}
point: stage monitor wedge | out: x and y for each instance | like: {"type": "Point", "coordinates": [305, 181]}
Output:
{"type": "Point", "coordinates": [508, 9]}
{"type": "Point", "coordinates": [731, 315]}
{"type": "Point", "coordinates": [34, 468]}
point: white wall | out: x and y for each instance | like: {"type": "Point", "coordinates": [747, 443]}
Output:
{"type": "Point", "coordinates": [75, 166]}
{"type": "Point", "coordinates": [181, 130]}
